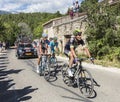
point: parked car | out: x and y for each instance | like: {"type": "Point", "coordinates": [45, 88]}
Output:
{"type": "Point", "coordinates": [25, 50]}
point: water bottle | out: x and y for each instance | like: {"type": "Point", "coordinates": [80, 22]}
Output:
{"type": "Point", "coordinates": [52, 60]}
{"type": "Point", "coordinates": [43, 58]}
{"type": "Point", "coordinates": [74, 68]}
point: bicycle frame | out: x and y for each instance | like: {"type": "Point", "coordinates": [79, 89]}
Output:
{"type": "Point", "coordinates": [82, 77]}
{"type": "Point", "coordinates": [43, 63]}
{"type": "Point", "coordinates": [79, 68]}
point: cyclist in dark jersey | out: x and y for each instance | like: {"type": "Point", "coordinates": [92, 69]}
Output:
{"type": "Point", "coordinates": [70, 47]}
{"type": "Point", "coordinates": [42, 47]}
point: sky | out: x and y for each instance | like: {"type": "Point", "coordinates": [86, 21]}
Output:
{"type": "Point", "coordinates": [30, 6]}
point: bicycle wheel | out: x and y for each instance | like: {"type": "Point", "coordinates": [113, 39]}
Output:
{"type": "Point", "coordinates": [47, 72]}
{"type": "Point", "coordinates": [65, 76]}
{"type": "Point", "coordinates": [41, 67]}
{"type": "Point", "coordinates": [85, 83]}
{"type": "Point", "coordinates": [53, 65]}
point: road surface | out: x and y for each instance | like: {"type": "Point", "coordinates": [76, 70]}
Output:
{"type": "Point", "coordinates": [19, 83]}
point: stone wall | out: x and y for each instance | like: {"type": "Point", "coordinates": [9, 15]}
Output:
{"type": "Point", "coordinates": [63, 27]}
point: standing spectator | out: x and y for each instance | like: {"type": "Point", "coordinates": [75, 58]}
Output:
{"type": "Point", "coordinates": [7, 45]}
{"type": "Point", "coordinates": [4, 46]}
{"type": "Point", "coordinates": [74, 8]}
{"type": "Point", "coordinates": [0, 46]}
{"type": "Point", "coordinates": [71, 13]}
{"type": "Point", "coordinates": [77, 8]}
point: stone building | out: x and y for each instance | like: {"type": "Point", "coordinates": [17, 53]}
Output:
{"type": "Point", "coordinates": [63, 27]}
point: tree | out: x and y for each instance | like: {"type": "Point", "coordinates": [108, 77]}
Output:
{"type": "Point", "coordinates": [29, 24]}
{"type": "Point", "coordinates": [2, 30]}
{"type": "Point", "coordinates": [102, 33]}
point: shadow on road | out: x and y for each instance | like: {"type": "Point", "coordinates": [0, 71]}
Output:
{"type": "Point", "coordinates": [8, 93]}
{"type": "Point", "coordinates": [16, 95]}
{"type": "Point", "coordinates": [79, 97]}
{"type": "Point", "coordinates": [54, 71]}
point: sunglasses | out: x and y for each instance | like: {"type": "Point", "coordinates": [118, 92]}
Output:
{"type": "Point", "coordinates": [79, 34]}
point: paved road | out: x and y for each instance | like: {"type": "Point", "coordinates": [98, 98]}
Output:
{"type": "Point", "coordinates": [19, 83]}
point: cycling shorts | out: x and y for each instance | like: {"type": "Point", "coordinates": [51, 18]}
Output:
{"type": "Point", "coordinates": [67, 53]}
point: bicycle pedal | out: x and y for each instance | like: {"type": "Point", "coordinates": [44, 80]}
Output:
{"type": "Point", "coordinates": [70, 83]}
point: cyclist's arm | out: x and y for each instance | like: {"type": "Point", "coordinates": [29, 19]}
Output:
{"type": "Point", "coordinates": [85, 48]}
{"type": "Point", "coordinates": [57, 49]}
{"type": "Point", "coordinates": [87, 51]}
{"type": "Point", "coordinates": [73, 51]}
{"type": "Point", "coordinates": [40, 48]}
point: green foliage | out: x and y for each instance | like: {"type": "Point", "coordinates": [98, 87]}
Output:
{"type": "Point", "coordinates": [2, 31]}
{"type": "Point", "coordinates": [38, 31]}
{"type": "Point", "coordinates": [30, 24]}
{"type": "Point", "coordinates": [103, 33]}
{"type": "Point", "coordinates": [113, 54]}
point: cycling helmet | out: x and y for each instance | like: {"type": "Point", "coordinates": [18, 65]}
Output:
{"type": "Point", "coordinates": [44, 35]}
{"type": "Point", "coordinates": [50, 38]}
{"type": "Point", "coordinates": [76, 32]}
{"type": "Point", "coordinates": [55, 38]}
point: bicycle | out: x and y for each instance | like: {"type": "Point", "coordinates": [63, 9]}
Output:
{"type": "Point", "coordinates": [43, 64]}
{"type": "Point", "coordinates": [52, 67]}
{"type": "Point", "coordinates": [81, 77]}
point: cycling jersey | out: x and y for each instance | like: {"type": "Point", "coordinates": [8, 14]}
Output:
{"type": "Point", "coordinates": [73, 43]}
{"type": "Point", "coordinates": [53, 45]}
{"type": "Point", "coordinates": [44, 45]}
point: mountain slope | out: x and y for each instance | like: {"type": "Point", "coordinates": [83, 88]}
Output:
{"type": "Point", "coordinates": [4, 12]}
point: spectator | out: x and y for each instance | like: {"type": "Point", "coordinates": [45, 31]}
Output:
{"type": "Point", "coordinates": [0, 46]}
{"type": "Point", "coordinates": [74, 8]}
{"type": "Point", "coordinates": [71, 13]}
{"type": "Point", "coordinates": [7, 45]}
{"type": "Point", "coordinates": [77, 8]}
{"type": "Point", "coordinates": [4, 46]}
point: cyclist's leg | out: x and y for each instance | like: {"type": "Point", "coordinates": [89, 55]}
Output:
{"type": "Point", "coordinates": [39, 57]}
{"type": "Point", "coordinates": [49, 53]}
{"type": "Point", "coordinates": [54, 62]}
{"type": "Point", "coordinates": [38, 61]}
{"type": "Point", "coordinates": [71, 58]}
{"type": "Point", "coordinates": [47, 68]}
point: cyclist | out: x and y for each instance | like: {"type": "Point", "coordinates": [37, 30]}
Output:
{"type": "Point", "coordinates": [52, 45]}
{"type": "Point", "coordinates": [70, 47]}
{"type": "Point", "coordinates": [42, 47]}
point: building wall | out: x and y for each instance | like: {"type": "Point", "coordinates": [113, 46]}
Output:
{"type": "Point", "coordinates": [49, 29]}
{"type": "Point", "coordinates": [64, 27]}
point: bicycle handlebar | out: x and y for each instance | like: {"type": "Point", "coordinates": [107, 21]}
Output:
{"type": "Point", "coordinates": [44, 54]}
{"type": "Point", "coordinates": [83, 59]}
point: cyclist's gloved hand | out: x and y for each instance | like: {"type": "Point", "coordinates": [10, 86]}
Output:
{"type": "Point", "coordinates": [92, 59]}
{"type": "Point", "coordinates": [76, 59]}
